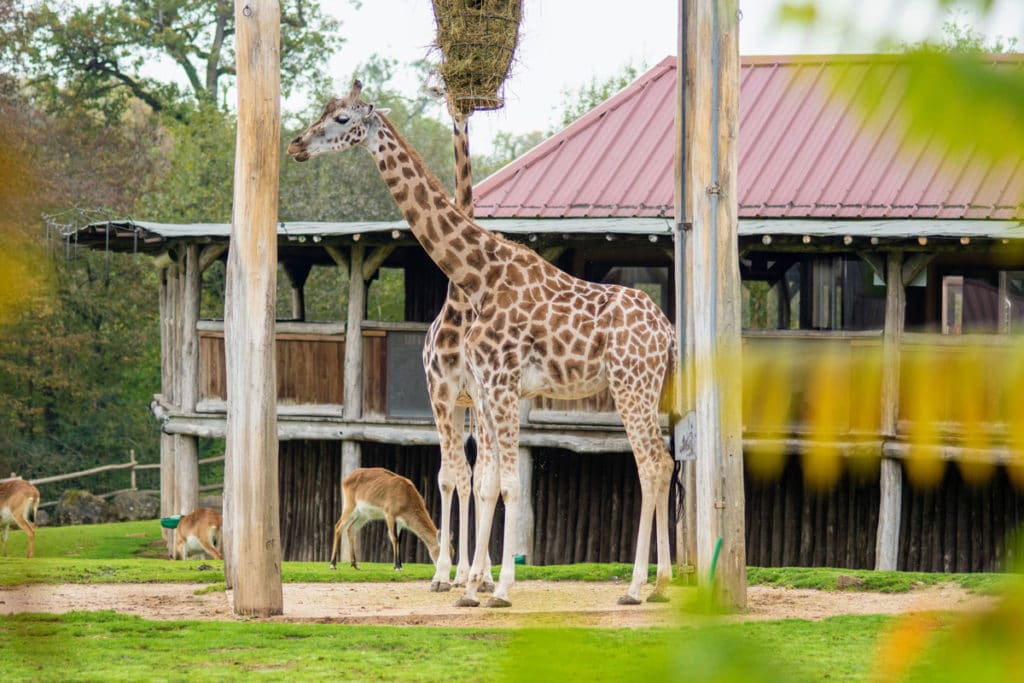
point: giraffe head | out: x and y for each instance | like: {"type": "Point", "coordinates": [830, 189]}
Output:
{"type": "Point", "coordinates": [344, 123]}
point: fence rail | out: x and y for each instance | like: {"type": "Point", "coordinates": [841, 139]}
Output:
{"type": "Point", "coordinates": [131, 465]}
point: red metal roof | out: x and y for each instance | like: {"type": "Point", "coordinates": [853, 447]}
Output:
{"type": "Point", "coordinates": [805, 151]}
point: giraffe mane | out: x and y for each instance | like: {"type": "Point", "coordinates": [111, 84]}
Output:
{"type": "Point", "coordinates": [436, 185]}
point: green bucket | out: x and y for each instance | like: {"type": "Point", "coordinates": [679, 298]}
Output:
{"type": "Point", "coordinates": [170, 522]}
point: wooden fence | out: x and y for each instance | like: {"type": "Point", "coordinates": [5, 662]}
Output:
{"type": "Point", "coordinates": [132, 466]}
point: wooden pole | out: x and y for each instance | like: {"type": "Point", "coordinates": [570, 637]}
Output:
{"type": "Point", "coordinates": [186, 448]}
{"type": "Point", "coordinates": [252, 526]}
{"type": "Point", "coordinates": [711, 121]}
{"type": "Point", "coordinates": [887, 540]}
{"type": "Point", "coordinates": [351, 450]}
{"type": "Point", "coordinates": [167, 441]}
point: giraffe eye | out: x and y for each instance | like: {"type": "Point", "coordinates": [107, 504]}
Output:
{"type": "Point", "coordinates": [341, 118]}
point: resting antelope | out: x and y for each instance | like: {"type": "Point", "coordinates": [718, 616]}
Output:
{"type": "Point", "coordinates": [199, 532]}
{"type": "Point", "coordinates": [372, 493]}
{"type": "Point", "coordinates": [19, 501]}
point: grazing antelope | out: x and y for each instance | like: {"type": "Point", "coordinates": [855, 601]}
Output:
{"type": "Point", "coordinates": [19, 501]}
{"type": "Point", "coordinates": [199, 532]}
{"type": "Point", "coordinates": [372, 493]}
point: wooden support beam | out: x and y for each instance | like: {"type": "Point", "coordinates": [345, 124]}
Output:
{"type": "Point", "coordinates": [876, 261]}
{"type": "Point", "coordinates": [913, 267]}
{"type": "Point", "coordinates": [252, 524]}
{"type": "Point", "coordinates": [339, 258]}
{"type": "Point", "coordinates": [210, 254]}
{"type": "Point", "coordinates": [351, 449]}
{"type": "Point", "coordinates": [711, 110]}
{"type": "Point", "coordinates": [375, 260]}
{"type": "Point", "coordinates": [891, 478]}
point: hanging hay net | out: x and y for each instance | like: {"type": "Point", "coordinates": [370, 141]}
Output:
{"type": "Point", "coordinates": [477, 40]}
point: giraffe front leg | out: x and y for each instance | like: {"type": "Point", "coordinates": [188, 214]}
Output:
{"type": "Point", "coordinates": [510, 492]}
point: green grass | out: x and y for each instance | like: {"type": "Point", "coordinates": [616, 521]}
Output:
{"type": "Point", "coordinates": [133, 552]}
{"type": "Point", "coordinates": [823, 578]}
{"type": "Point", "coordinates": [106, 646]}
{"type": "Point", "coordinates": [110, 647]}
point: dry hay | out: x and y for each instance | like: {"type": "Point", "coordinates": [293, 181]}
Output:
{"type": "Point", "coordinates": [477, 40]}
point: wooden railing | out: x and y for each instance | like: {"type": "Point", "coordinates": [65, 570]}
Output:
{"type": "Point", "coordinates": [797, 384]}
{"type": "Point", "coordinates": [132, 466]}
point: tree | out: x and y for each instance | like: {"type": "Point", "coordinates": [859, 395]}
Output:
{"type": "Point", "coordinates": [102, 56]}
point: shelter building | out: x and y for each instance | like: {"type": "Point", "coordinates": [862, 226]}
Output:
{"type": "Point", "coordinates": [879, 264]}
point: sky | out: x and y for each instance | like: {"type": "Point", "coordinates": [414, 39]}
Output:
{"type": "Point", "coordinates": [566, 43]}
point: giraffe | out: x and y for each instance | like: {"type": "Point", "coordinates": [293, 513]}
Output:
{"type": "Point", "coordinates": [537, 331]}
{"type": "Point", "coordinates": [449, 385]}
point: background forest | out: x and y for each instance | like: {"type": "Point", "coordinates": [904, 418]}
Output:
{"type": "Point", "coordinates": [87, 136]}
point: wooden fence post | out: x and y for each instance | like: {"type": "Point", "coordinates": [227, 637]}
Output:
{"type": "Point", "coordinates": [252, 526]}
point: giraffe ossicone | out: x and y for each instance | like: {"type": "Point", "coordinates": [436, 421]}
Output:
{"type": "Point", "coordinates": [537, 331]}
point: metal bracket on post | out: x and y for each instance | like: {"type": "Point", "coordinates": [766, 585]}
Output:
{"type": "Point", "coordinates": [685, 437]}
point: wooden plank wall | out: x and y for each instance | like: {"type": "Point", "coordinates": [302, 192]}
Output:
{"type": "Point", "coordinates": [960, 527]}
{"type": "Point", "coordinates": [587, 506]}
{"type": "Point", "coordinates": [791, 525]}
{"type": "Point", "coordinates": [310, 369]}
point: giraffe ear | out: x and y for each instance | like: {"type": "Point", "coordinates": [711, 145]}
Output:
{"type": "Point", "coordinates": [384, 110]}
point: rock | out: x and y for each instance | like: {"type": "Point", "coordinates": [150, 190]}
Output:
{"type": "Point", "coordinates": [133, 505]}
{"type": "Point", "coordinates": [42, 518]}
{"type": "Point", "coordinates": [77, 506]}
{"type": "Point", "coordinates": [847, 581]}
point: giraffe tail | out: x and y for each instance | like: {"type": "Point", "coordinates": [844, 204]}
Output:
{"type": "Point", "coordinates": [469, 448]}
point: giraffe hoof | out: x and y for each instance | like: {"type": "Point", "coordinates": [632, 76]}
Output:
{"type": "Point", "coordinates": [628, 600]}
{"type": "Point", "coordinates": [465, 601]}
{"type": "Point", "coordinates": [498, 602]}
{"type": "Point", "coordinates": [440, 587]}
{"type": "Point", "coordinates": [657, 596]}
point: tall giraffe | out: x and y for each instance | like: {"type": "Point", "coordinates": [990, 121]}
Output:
{"type": "Point", "coordinates": [451, 389]}
{"type": "Point", "coordinates": [538, 331]}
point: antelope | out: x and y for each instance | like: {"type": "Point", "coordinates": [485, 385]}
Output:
{"type": "Point", "coordinates": [199, 532]}
{"type": "Point", "coordinates": [372, 493]}
{"type": "Point", "coordinates": [19, 501]}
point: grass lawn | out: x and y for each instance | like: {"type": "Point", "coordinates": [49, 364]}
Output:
{"type": "Point", "coordinates": [104, 646]}
{"type": "Point", "coordinates": [110, 647]}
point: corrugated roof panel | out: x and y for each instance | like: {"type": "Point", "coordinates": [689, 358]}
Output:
{"type": "Point", "coordinates": [807, 148]}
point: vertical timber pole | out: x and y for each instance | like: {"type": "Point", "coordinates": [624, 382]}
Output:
{"type": "Point", "coordinates": [887, 539]}
{"type": "Point", "coordinates": [186, 447]}
{"type": "Point", "coordinates": [352, 409]}
{"type": "Point", "coordinates": [711, 105]}
{"type": "Point", "coordinates": [252, 525]}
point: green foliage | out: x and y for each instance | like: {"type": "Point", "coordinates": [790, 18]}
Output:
{"type": "Point", "coordinates": [579, 101]}
{"type": "Point", "coordinates": [194, 172]}
{"type": "Point", "coordinates": [77, 373]}
{"type": "Point", "coordinates": [97, 55]}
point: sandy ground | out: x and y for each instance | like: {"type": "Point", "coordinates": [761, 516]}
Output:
{"type": "Point", "coordinates": [534, 603]}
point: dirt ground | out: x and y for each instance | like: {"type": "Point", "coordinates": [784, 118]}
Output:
{"type": "Point", "coordinates": [534, 603]}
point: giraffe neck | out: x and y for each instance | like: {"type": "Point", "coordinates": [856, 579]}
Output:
{"type": "Point", "coordinates": [463, 167]}
{"type": "Point", "coordinates": [460, 248]}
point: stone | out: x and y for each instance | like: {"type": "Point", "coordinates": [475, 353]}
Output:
{"type": "Point", "coordinates": [78, 506]}
{"type": "Point", "coordinates": [131, 506]}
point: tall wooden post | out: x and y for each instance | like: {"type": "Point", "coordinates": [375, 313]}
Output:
{"type": "Point", "coordinates": [890, 483]}
{"type": "Point", "coordinates": [711, 121]}
{"type": "Point", "coordinates": [253, 539]}
{"type": "Point", "coordinates": [187, 447]}
{"type": "Point", "coordinates": [351, 450]}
